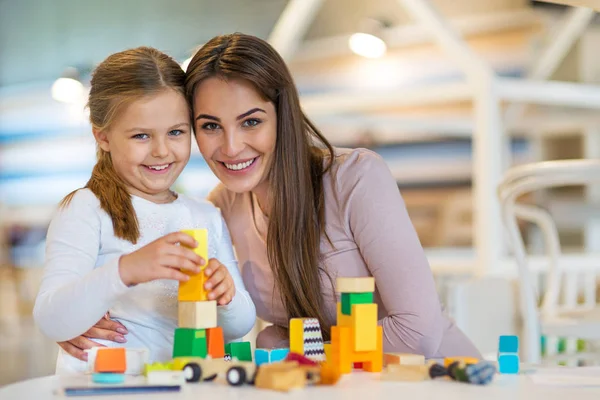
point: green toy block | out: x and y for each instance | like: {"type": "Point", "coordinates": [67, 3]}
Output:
{"type": "Point", "coordinates": [189, 343]}
{"type": "Point", "coordinates": [349, 299]}
{"type": "Point", "coordinates": [241, 350]}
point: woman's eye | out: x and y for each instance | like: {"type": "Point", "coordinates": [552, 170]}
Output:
{"type": "Point", "coordinates": [211, 126]}
{"type": "Point", "coordinates": [252, 122]}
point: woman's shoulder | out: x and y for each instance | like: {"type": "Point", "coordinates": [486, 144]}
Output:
{"type": "Point", "coordinates": [223, 198]}
{"type": "Point", "coordinates": [353, 164]}
{"type": "Point", "coordinates": [198, 205]}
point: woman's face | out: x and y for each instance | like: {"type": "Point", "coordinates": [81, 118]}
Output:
{"type": "Point", "coordinates": [236, 130]}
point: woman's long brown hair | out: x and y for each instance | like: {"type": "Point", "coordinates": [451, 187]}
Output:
{"type": "Point", "coordinates": [297, 215]}
{"type": "Point", "coordinates": [118, 81]}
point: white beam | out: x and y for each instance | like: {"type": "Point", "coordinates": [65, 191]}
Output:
{"type": "Point", "coordinates": [446, 36]}
{"type": "Point", "coordinates": [560, 43]}
{"type": "Point", "coordinates": [416, 34]}
{"type": "Point", "coordinates": [338, 103]}
{"type": "Point", "coordinates": [550, 92]}
{"type": "Point", "coordinates": [292, 25]}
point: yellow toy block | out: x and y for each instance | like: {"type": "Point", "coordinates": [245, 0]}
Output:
{"type": "Point", "coordinates": [306, 338]}
{"type": "Point", "coordinates": [297, 336]}
{"type": "Point", "coordinates": [466, 360]}
{"type": "Point", "coordinates": [342, 319]}
{"type": "Point", "coordinates": [193, 290]}
{"type": "Point", "coordinates": [364, 327]}
{"type": "Point", "coordinates": [355, 285]}
{"type": "Point", "coordinates": [327, 349]}
{"type": "Point", "coordinates": [198, 314]}
{"type": "Point", "coordinates": [403, 359]}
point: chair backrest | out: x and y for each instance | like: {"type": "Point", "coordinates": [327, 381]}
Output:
{"type": "Point", "coordinates": [561, 278]}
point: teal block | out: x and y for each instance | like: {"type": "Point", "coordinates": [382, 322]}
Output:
{"type": "Point", "coordinates": [261, 356]}
{"type": "Point", "coordinates": [190, 343]}
{"type": "Point", "coordinates": [508, 364]}
{"type": "Point", "coordinates": [279, 354]}
{"type": "Point", "coordinates": [241, 350]}
{"type": "Point", "coordinates": [108, 377]}
{"type": "Point", "coordinates": [349, 299]}
{"type": "Point", "coordinates": [508, 344]}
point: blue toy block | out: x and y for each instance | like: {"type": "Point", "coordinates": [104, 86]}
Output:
{"type": "Point", "coordinates": [279, 354]}
{"type": "Point", "coordinates": [508, 344]}
{"type": "Point", "coordinates": [108, 377]}
{"type": "Point", "coordinates": [261, 356]}
{"type": "Point", "coordinates": [508, 364]}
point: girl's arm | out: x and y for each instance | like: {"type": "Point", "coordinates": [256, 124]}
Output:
{"type": "Point", "coordinates": [74, 295]}
{"type": "Point", "coordinates": [386, 238]}
{"type": "Point", "coordinates": [238, 317]}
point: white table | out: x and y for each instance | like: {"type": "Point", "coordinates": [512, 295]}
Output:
{"type": "Point", "coordinates": [358, 385]}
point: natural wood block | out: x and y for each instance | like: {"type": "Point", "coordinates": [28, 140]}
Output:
{"type": "Point", "coordinates": [355, 285]}
{"type": "Point", "coordinates": [198, 314]}
{"type": "Point", "coordinates": [403, 359]}
{"type": "Point", "coordinates": [405, 373]}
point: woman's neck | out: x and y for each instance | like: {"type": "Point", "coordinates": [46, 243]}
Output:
{"type": "Point", "coordinates": [261, 192]}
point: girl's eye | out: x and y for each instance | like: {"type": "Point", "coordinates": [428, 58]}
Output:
{"type": "Point", "coordinates": [176, 132]}
{"type": "Point", "coordinates": [210, 126]}
{"type": "Point", "coordinates": [252, 122]}
{"type": "Point", "coordinates": [141, 136]}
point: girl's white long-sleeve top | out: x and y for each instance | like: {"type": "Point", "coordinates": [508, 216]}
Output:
{"type": "Point", "coordinates": [81, 276]}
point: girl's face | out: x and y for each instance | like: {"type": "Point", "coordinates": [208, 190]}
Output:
{"type": "Point", "coordinates": [149, 143]}
{"type": "Point", "coordinates": [236, 130]}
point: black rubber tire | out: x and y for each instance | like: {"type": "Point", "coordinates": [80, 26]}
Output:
{"type": "Point", "coordinates": [192, 372]}
{"type": "Point", "coordinates": [236, 376]}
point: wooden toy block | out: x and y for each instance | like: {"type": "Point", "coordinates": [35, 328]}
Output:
{"type": "Point", "coordinates": [508, 364]}
{"type": "Point", "coordinates": [193, 290]}
{"type": "Point", "coordinates": [343, 319]}
{"type": "Point", "coordinates": [343, 357]}
{"type": "Point", "coordinates": [403, 359]}
{"type": "Point", "coordinates": [364, 327]}
{"type": "Point", "coordinates": [241, 350]}
{"type": "Point", "coordinates": [111, 359]}
{"type": "Point", "coordinates": [508, 344]}
{"type": "Point", "coordinates": [197, 314]}
{"type": "Point", "coordinates": [281, 376]}
{"type": "Point", "coordinates": [465, 360]}
{"type": "Point", "coordinates": [190, 343]}
{"type": "Point", "coordinates": [306, 338]}
{"type": "Point", "coordinates": [215, 343]}
{"type": "Point", "coordinates": [349, 299]}
{"type": "Point", "coordinates": [355, 285]}
{"type": "Point", "coordinates": [108, 377]}
{"type": "Point", "coordinates": [165, 377]}
{"type": "Point", "coordinates": [405, 373]}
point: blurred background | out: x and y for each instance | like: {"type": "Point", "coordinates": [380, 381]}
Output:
{"type": "Point", "coordinates": [396, 91]}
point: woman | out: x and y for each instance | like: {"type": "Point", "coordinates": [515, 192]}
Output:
{"type": "Point", "coordinates": [302, 213]}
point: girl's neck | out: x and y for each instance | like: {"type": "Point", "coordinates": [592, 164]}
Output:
{"type": "Point", "coordinates": [157, 198]}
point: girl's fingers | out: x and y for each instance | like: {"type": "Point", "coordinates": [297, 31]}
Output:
{"type": "Point", "coordinates": [179, 263]}
{"type": "Point", "coordinates": [217, 277]}
{"type": "Point", "coordinates": [213, 265]}
{"type": "Point", "coordinates": [186, 253]}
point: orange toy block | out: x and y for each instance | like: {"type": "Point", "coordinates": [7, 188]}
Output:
{"type": "Point", "coordinates": [343, 356]}
{"type": "Point", "coordinates": [403, 359]}
{"type": "Point", "coordinates": [364, 326]}
{"type": "Point", "coordinates": [215, 342]}
{"type": "Point", "coordinates": [197, 314]}
{"type": "Point", "coordinates": [111, 359]}
{"type": "Point", "coordinates": [355, 285]}
{"type": "Point", "coordinates": [193, 290]}
{"type": "Point", "coordinates": [343, 319]}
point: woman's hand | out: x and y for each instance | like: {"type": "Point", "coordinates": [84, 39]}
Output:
{"type": "Point", "coordinates": [106, 329]}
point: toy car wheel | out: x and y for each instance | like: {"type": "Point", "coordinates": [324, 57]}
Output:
{"type": "Point", "coordinates": [236, 376]}
{"type": "Point", "coordinates": [192, 372]}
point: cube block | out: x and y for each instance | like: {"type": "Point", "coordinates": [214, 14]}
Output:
{"type": "Point", "coordinates": [215, 343]}
{"type": "Point", "coordinates": [111, 359]}
{"type": "Point", "coordinates": [197, 314]}
{"type": "Point", "coordinates": [349, 299]}
{"type": "Point", "coordinates": [364, 327]}
{"type": "Point", "coordinates": [241, 350]}
{"type": "Point", "coordinates": [355, 285]}
{"type": "Point", "coordinates": [508, 344]}
{"type": "Point", "coordinates": [190, 343]}
{"type": "Point", "coordinates": [508, 364]}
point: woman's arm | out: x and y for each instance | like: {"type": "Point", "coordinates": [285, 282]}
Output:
{"type": "Point", "coordinates": [386, 238]}
{"type": "Point", "coordinates": [73, 295]}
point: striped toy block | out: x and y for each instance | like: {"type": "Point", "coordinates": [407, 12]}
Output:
{"type": "Point", "coordinates": [306, 338]}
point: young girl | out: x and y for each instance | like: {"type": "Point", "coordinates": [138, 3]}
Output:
{"type": "Point", "coordinates": [116, 244]}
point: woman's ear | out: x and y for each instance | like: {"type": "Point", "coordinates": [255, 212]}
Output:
{"type": "Point", "coordinates": [101, 139]}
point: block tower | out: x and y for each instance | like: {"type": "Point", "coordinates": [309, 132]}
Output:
{"type": "Point", "coordinates": [198, 334]}
{"type": "Point", "coordinates": [508, 354]}
{"type": "Point", "coordinates": [356, 338]}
